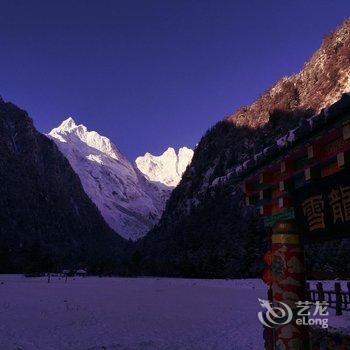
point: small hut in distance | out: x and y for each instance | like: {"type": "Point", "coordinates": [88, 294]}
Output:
{"type": "Point", "coordinates": [81, 273]}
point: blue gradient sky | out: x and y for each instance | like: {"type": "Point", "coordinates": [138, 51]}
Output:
{"type": "Point", "coordinates": [152, 74]}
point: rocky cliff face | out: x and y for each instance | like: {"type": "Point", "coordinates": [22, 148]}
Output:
{"type": "Point", "coordinates": [208, 228]}
{"type": "Point", "coordinates": [47, 220]}
{"type": "Point", "coordinates": [321, 82]}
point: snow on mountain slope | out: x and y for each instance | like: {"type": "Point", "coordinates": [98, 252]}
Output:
{"type": "Point", "coordinates": [130, 203]}
{"type": "Point", "coordinates": [166, 168]}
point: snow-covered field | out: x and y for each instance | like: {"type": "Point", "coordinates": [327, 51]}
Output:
{"type": "Point", "coordinates": [129, 313]}
{"type": "Point", "coordinates": [133, 313]}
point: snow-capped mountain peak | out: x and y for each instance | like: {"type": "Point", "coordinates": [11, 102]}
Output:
{"type": "Point", "coordinates": [166, 168]}
{"type": "Point", "coordinates": [130, 202]}
{"type": "Point", "coordinates": [67, 124]}
{"type": "Point", "coordinates": [80, 133]}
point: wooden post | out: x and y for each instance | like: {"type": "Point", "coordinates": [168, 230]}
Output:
{"type": "Point", "coordinates": [308, 292]}
{"type": "Point", "coordinates": [48, 277]}
{"type": "Point", "coordinates": [289, 284]}
{"type": "Point", "coordinates": [320, 291]}
{"type": "Point", "coordinates": [338, 299]}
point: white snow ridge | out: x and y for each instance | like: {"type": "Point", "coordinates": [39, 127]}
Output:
{"type": "Point", "coordinates": [130, 202]}
{"type": "Point", "coordinates": [166, 168]}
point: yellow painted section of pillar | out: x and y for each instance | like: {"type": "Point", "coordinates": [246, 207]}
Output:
{"type": "Point", "coordinates": [285, 238]}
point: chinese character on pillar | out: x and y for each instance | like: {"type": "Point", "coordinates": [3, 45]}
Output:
{"type": "Point", "coordinates": [340, 203]}
{"type": "Point", "coordinates": [313, 210]}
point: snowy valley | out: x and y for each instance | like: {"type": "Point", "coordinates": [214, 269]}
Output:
{"type": "Point", "coordinates": [129, 314]}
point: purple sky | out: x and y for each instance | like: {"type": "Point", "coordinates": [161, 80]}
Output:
{"type": "Point", "coordinates": [152, 74]}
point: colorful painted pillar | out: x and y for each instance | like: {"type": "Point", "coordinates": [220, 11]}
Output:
{"type": "Point", "coordinates": [288, 284]}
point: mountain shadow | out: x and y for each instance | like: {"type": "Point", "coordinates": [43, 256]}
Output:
{"type": "Point", "coordinates": [217, 235]}
{"type": "Point", "coordinates": [206, 230]}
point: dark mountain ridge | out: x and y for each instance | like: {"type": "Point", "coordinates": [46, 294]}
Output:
{"type": "Point", "coordinates": [47, 222]}
{"type": "Point", "coordinates": [207, 230]}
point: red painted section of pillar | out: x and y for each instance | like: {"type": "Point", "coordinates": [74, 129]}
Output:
{"type": "Point", "coordinates": [288, 284]}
